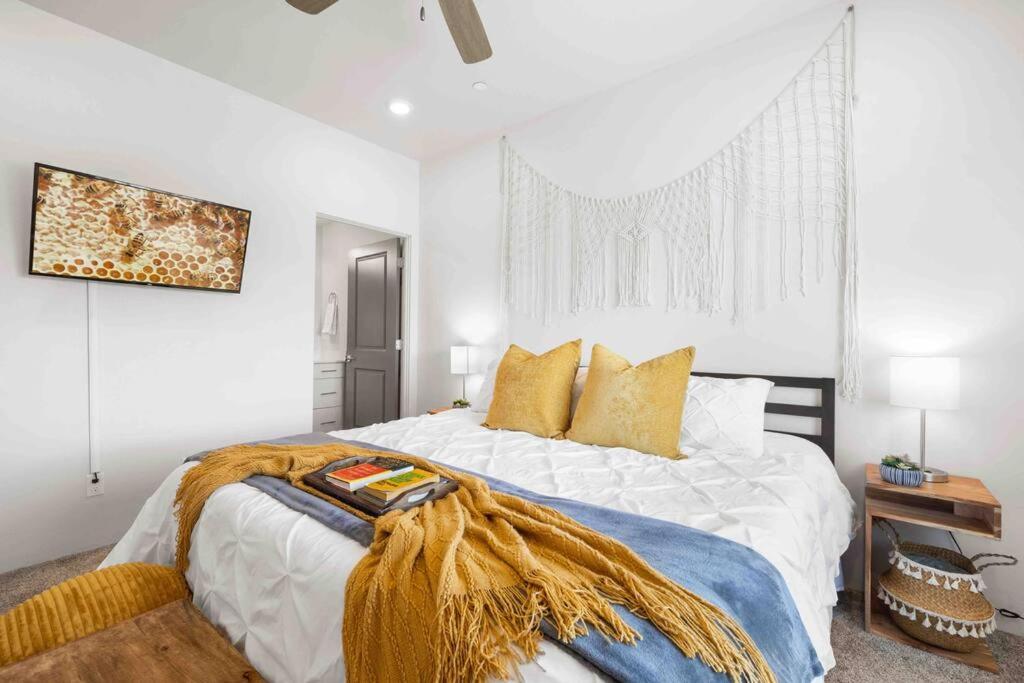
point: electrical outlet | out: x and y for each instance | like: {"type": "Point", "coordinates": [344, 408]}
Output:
{"type": "Point", "coordinates": [92, 489]}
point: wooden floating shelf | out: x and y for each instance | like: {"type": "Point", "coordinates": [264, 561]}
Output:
{"type": "Point", "coordinates": [961, 504]}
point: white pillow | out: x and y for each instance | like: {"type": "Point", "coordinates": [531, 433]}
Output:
{"type": "Point", "coordinates": [725, 414]}
{"type": "Point", "coordinates": [481, 403]}
{"type": "Point", "coordinates": [577, 390]}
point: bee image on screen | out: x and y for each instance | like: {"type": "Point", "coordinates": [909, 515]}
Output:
{"type": "Point", "coordinates": [93, 228]}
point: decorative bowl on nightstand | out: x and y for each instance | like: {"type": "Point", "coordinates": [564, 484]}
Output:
{"type": "Point", "coordinates": [894, 475]}
{"type": "Point", "coordinates": [896, 470]}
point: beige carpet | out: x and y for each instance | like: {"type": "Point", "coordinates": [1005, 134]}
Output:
{"type": "Point", "coordinates": [22, 584]}
{"type": "Point", "coordinates": [861, 657]}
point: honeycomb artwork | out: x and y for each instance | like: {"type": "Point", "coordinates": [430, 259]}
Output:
{"type": "Point", "coordinates": [99, 229]}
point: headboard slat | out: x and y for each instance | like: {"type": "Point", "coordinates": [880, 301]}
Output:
{"type": "Point", "coordinates": [826, 412]}
{"type": "Point", "coordinates": [791, 409]}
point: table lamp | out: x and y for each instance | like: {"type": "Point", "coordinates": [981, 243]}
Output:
{"type": "Point", "coordinates": [926, 383]}
{"type": "Point", "coordinates": [460, 364]}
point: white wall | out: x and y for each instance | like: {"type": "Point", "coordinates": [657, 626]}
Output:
{"type": "Point", "coordinates": [940, 154]}
{"type": "Point", "coordinates": [180, 371]}
{"type": "Point", "coordinates": [334, 241]}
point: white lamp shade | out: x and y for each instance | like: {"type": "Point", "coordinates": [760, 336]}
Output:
{"type": "Point", "coordinates": [924, 382]}
{"type": "Point", "coordinates": [460, 360]}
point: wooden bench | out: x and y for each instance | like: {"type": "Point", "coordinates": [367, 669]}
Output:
{"type": "Point", "coordinates": [170, 644]}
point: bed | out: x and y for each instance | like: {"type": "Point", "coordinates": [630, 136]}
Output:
{"type": "Point", "coordinates": [274, 579]}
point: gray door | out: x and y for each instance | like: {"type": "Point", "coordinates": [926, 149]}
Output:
{"type": "Point", "coordinates": [372, 373]}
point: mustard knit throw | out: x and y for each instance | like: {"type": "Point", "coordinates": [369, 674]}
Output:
{"type": "Point", "coordinates": [84, 605]}
{"type": "Point", "coordinates": [455, 590]}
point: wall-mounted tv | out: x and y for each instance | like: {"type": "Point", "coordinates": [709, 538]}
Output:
{"type": "Point", "coordinates": [93, 228]}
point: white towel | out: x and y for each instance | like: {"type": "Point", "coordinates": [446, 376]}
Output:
{"type": "Point", "coordinates": [330, 325]}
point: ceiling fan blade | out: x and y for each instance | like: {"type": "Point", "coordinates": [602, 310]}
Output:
{"type": "Point", "coordinates": [467, 30]}
{"type": "Point", "coordinates": [311, 6]}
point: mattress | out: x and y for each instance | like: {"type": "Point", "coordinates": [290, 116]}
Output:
{"type": "Point", "coordinates": [274, 580]}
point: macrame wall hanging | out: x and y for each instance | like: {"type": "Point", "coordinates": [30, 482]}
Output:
{"type": "Point", "coordinates": [779, 196]}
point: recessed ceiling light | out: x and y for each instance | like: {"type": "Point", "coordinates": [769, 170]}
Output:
{"type": "Point", "coordinates": [480, 85]}
{"type": "Point", "coordinates": [400, 107]}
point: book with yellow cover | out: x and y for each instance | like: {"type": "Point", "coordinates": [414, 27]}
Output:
{"type": "Point", "coordinates": [389, 489]}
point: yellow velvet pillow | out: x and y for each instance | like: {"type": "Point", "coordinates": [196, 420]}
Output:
{"type": "Point", "coordinates": [633, 406]}
{"type": "Point", "coordinates": [532, 393]}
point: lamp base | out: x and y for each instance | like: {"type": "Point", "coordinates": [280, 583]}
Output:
{"type": "Point", "coordinates": [936, 476]}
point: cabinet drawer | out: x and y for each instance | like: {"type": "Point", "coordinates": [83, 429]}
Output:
{"type": "Point", "coordinates": [327, 419]}
{"type": "Point", "coordinates": [326, 393]}
{"type": "Point", "coordinates": [328, 370]}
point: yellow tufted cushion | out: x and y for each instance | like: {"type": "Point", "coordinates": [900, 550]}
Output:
{"type": "Point", "coordinates": [633, 406]}
{"type": "Point", "coordinates": [532, 393]}
{"type": "Point", "coordinates": [86, 604]}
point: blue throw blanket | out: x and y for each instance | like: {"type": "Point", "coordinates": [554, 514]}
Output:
{"type": "Point", "coordinates": [725, 573]}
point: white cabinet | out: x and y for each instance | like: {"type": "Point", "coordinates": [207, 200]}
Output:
{"type": "Point", "coordinates": [328, 383]}
{"type": "Point", "coordinates": [326, 393]}
{"type": "Point", "coordinates": [326, 419]}
{"type": "Point", "coordinates": [328, 370]}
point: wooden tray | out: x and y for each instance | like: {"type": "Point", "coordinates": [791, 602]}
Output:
{"type": "Point", "coordinates": [407, 500]}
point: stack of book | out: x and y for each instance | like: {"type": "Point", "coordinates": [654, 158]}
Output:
{"type": "Point", "coordinates": [367, 471]}
{"type": "Point", "coordinates": [380, 484]}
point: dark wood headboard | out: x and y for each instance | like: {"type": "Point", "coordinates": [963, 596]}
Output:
{"type": "Point", "coordinates": [826, 412]}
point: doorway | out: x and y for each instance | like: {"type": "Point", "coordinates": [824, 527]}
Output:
{"type": "Point", "coordinates": [359, 320]}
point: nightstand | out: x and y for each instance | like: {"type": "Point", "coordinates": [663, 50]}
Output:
{"type": "Point", "coordinates": [962, 504]}
{"type": "Point", "coordinates": [435, 411]}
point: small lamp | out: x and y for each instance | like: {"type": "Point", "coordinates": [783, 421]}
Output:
{"type": "Point", "coordinates": [460, 364]}
{"type": "Point", "coordinates": [926, 383]}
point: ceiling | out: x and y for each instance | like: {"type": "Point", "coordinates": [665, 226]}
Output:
{"type": "Point", "coordinates": [342, 67]}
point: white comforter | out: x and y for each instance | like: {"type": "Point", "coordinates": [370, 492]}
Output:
{"type": "Point", "coordinates": [274, 579]}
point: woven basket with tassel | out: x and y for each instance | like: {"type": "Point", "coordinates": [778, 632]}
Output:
{"type": "Point", "coordinates": [935, 594]}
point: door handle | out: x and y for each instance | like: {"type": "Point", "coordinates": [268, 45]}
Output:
{"type": "Point", "coordinates": [348, 358]}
